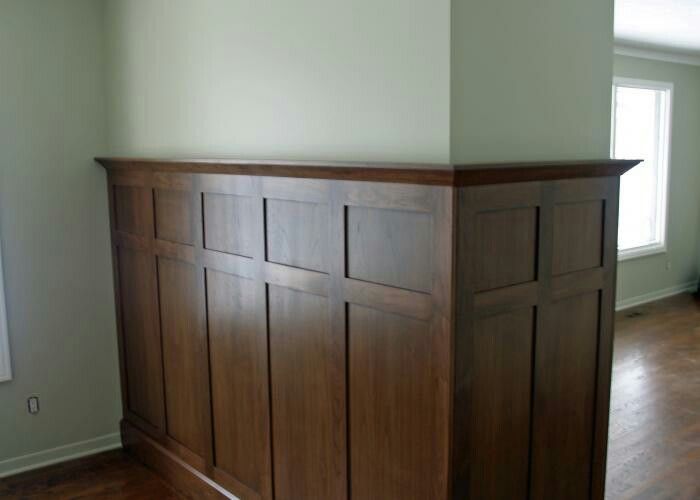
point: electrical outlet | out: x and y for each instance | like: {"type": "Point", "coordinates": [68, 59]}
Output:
{"type": "Point", "coordinates": [33, 405]}
{"type": "Point", "coordinates": [668, 265]}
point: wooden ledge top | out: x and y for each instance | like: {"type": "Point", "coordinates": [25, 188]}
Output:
{"type": "Point", "coordinates": [407, 173]}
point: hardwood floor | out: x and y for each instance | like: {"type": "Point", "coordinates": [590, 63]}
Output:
{"type": "Point", "coordinates": [654, 447]}
{"type": "Point", "coordinates": [111, 475]}
{"type": "Point", "coordinates": [654, 450]}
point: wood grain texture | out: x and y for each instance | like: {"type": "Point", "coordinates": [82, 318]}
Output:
{"type": "Point", "coordinates": [352, 339]}
{"type": "Point", "coordinates": [113, 475]}
{"type": "Point", "coordinates": [654, 422]}
{"type": "Point", "coordinates": [184, 355]}
{"type": "Point", "coordinates": [392, 424]}
{"type": "Point", "coordinates": [654, 427]}
{"type": "Point", "coordinates": [173, 210]}
{"type": "Point", "coordinates": [566, 398]}
{"type": "Point", "coordinates": [307, 416]}
{"type": "Point", "coordinates": [228, 223]}
{"type": "Point", "coordinates": [238, 354]}
{"type": "Point", "coordinates": [297, 234]}
{"type": "Point", "coordinates": [563, 411]}
{"type": "Point", "coordinates": [131, 216]}
{"type": "Point", "coordinates": [142, 347]}
{"type": "Point", "coordinates": [391, 247]}
{"type": "Point", "coordinates": [426, 174]}
{"type": "Point", "coordinates": [506, 247]}
{"type": "Point", "coordinates": [578, 236]}
{"type": "Point", "coordinates": [189, 482]}
{"type": "Point", "coordinates": [500, 401]}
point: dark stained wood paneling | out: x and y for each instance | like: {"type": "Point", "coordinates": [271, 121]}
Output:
{"type": "Point", "coordinates": [391, 247]}
{"type": "Point", "coordinates": [184, 354]}
{"type": "Point", "coordinates": [238, 353]}
{"type": "Point", "coordinates": [142, 350]}
{"type": "Point", "coordinates": [131, 210]}
{"type": "Point", "coordinates": [392, 419]}
{"type": "Point", "coordinates": [174, 216]}
{"type": "Point", "coordinates": [564, 399]}
{"type": "Point", "coordinates": [578, 236]}
{"type": "Point", "coordinates": [499, 426]}
{"type": "Point", "coordinates": [297, 234]}
{"type": "Point", "coordinates": [506, 247]}
{"type": "Point", "coordinates": [228, 223]}
{"type": "Point", "coordinates": [307, 415]}
{"type": "Point", "coordinates": [436, 392]}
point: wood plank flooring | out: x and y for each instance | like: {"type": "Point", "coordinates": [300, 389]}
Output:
{"type": "Point", "coordinates": [111, 475]}
{"type": "Point", "coordinates": [654, 450]}
{"type": "Point", "coordinates": [654, 442]}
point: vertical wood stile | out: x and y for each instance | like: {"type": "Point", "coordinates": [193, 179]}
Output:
{"type": "Point", "coordinates": [262, 320]}
{"type": "Point", "coordinates": [338, 321]}
{"type": "Point", "coordinates": [197, 232]}
{"type": "Point", "coordinates": [606, 337]}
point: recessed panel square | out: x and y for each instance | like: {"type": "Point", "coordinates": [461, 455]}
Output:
{"type": "Point", "coordinates": [228, 224]}
{"type": "Point", "coordinates": [390, 247]}
{"type": "Point", "coordinates": [131, 210]}
{"type": "Point", "coordinates": [297, 234]}
{"type": "Point", "coordinates": [174, 216]}
{"type": "Point", "coordinates": [506, 247]}
{"type": "Point", "coordinates": [578, 236]}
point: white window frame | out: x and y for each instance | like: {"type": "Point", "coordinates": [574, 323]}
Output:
{"type": "Point", "coordinates": [664, 162]}
{"type": "Point", "coordinates": [5, 366]}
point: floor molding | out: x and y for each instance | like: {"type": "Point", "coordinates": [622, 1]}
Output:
{"type": "Point", "coordinates": [690, 286]}
{"type": "Point", "coordinates": [176, 471]}
{"type": "Point", "coordinates": [31, 461]}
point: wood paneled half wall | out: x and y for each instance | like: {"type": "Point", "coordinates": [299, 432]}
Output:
{"type": "Point", "coordinates": [333, 331]}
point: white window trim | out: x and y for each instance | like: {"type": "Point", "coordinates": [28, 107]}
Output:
{"type": "Point", "coordinates": [664, 164]}
{"type": "Point", "coordinates": [5, 366]}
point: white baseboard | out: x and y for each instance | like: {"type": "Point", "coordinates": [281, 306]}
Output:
{"type": "Point", "coordinates": [24, 463]}
{"type": "Point", "coordinates": [691, 286]}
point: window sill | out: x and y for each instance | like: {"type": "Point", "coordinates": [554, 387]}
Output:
{"type": "Point", "coordinates": [639, 252]}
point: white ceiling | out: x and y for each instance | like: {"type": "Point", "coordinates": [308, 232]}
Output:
{"type": "Point", "coordinates": [662, 24]}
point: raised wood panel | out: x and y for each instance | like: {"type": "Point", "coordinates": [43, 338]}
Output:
{"type": "Point", "coordinates": [393, 422]}
{"type": "Point", "coordinates": [141, 336]}
{"type": "Point", "coordinates": [238, 357]}
{"type": "Point", "coordinates": [131, 210]}
{"type": "Point", "coordinates": [565, 377]}
{"type": "Point", "coordinates": [578, 236]}
{"type": "Point", "coordinates": [297, 234]}
{"type": "Point", "coordinates": [184, 354]}
{"type": "Point", "coordinates": [308, 403]}
{"type": "Point", "coordinates": [499, 427]}
{"type": "Point", "coordinates": [391, 247]}
{"type": "Point", "coordinates": [506, 247]}
{"type": "Point", "coordinates": [173, 213]}
{"type": "Point", "coordinates": [228, 223]}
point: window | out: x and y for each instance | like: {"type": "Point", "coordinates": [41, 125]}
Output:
{"type": "Point", "coordinates": [5, 370]}
{"type": "Point", "coordinates": [641, 123]}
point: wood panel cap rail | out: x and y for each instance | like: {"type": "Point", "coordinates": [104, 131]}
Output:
{"type": "Point", "coordinates": [407, 173]}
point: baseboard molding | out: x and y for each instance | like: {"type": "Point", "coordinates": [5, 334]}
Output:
{"type": "Point", "coordinates": [179, 474]}
{"type": "Point", "coordinates": [690, 286]}
{"type": "Point", "coordinates": [52, 456]}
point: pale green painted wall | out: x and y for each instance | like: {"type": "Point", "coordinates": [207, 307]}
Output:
{"type": "Point", "coordinates": [531, 79]}
{"type": "Point", "coordinates": [53, 222]}
{"type": "Point", "coordinates": [649, 274]}
{"type": "Point", "coordinates": [325, 79]}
